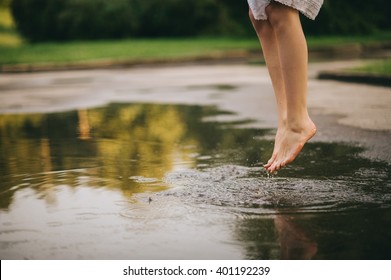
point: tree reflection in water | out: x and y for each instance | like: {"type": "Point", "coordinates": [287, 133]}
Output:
{"type": "Point", "coordinates": [120, 146]}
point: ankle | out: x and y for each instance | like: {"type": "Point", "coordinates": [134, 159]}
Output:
{"type": "Point", "coordinates": [282, 123]}
{"type": "Point", "coordinates": [300, 126]}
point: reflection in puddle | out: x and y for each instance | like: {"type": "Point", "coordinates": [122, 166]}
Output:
{"type": "Point", "coordinates": [143, 181]}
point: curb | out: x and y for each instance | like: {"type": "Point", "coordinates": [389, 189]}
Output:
{"type": "Point", "coordinates": [361, 78]}
{"type": "Point", "coordinates": [237, 56]}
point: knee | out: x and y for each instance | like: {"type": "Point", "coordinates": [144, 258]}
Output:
{"type": "Point", "coordinates": [278, 15]}
{"type": "Point", "coordinates": [262, 27]}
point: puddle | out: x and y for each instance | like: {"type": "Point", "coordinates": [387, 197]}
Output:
{"type": "Point", "coordinates": [145, 181]}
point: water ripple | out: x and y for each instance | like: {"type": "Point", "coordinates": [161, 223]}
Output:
{"type": "Point", "coordinates": [231, 186]}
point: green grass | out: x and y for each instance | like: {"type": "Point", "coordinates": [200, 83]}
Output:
{"type": "Point", "coordinates": [142, 49]}
{"type": "Point", "coordinates": [382, 67]}
{"type": "Point", "coordinates": [330, 41]}
{"type": "Point", "coordinates": [137, 49]}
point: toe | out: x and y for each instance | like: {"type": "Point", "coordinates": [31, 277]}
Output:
{"type": "Point", "coordinates": [272, 168]}
{"type": "Point", "coordinates": [270, 161]}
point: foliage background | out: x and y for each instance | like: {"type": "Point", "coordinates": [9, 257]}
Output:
{"type": "Point", "coordinates": [59, 20]}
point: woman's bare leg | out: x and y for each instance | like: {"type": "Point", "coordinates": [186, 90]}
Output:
{"type": "Point", "coordinates": [293, 54]}
{"type": "Point", "coordinates": [285, 50]}
{"type": "Point", "coordinates": [268, 40]}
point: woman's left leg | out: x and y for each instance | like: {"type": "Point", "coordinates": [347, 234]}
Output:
{"type": "Point", "coordinates": [293, 55]}
{"type": "Point", "coordinates": [268, 41]}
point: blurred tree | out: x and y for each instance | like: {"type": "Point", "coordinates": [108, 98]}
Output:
{"type": "Point", "coordinates": [5, 3]}
{"type": "Point", "coordinates": [345, 17]}
{"type": "Point", "coordinates": [177, 17]}
{"type": "Point", "coordinates": [238, 11]}
{"type": "Point", "coordinates": [37, 20]}
{"type": "Point", "coordinates": [97, 19]}
{"type": "Point", "coordinates": [44, 20]}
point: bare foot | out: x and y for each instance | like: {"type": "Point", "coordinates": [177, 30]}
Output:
{"type": "Point", "coordinates": [277, 144]}
{"type": "Point", "coordinates": [291, 143]}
